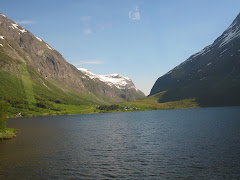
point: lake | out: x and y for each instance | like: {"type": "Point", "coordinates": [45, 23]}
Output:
{"type": "Point", "coordinates": [176, 144]}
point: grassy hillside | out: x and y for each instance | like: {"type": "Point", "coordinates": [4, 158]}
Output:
{"type": "Point", "coordinates": [152, 103]}
{"type": "Point", "coordinates": [29, 94]}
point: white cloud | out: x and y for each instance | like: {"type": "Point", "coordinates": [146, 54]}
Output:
{"type": "Point", "coordinates": [86, 28]}
{"type": "Point", "coordinates": [25, 22]}
{"type": "Point", "coordinates": [134, 14]}
{"type": "Point", "coordinates": [90, 62]}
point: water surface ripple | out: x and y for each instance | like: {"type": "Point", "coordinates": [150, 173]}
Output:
{"type": "Point", "coordinates": [175, 144]}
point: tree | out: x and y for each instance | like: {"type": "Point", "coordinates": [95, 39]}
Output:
{"type": "Point", "coordinates": [3, 114]}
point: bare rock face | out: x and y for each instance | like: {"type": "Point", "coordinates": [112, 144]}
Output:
{"type": "Point", "coordinates": [18, 45]}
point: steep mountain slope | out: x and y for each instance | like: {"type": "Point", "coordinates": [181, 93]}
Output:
{"type": "Point", "coordinates": [32, 71]}
{"type": "Point", "coordinates": [212, 76]}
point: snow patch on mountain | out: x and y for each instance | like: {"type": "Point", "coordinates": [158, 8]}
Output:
{"type": "Point", "coordinates": [209, 64]}
{"type": "Point", "coordinates": [116, 80]}
{"type": "Point", "coordinates": [88, 73]}
{"type": "Point", "coordinates": [38, 38]}
{"type": "Point", "coordinates": [202, 52]}
{"type": "Point", "coordinates": [1, 37]}
{"type": "Point", "coordinates": [2, 15]}
{"type": "Point", "coordinates": [230, 35]}
{"type": "Point", "coordinates": [169, 72]}
{"type": "Point", "coordinates": [49, 47]}
{"type": "Point", "coordinates": [23, 30]}
{"type": "Point", "coordinates": [223, 51]}
{"type": "Point", "coordinates": [232, 32]}
{"type": "Point", "coordinates": [15, 26]}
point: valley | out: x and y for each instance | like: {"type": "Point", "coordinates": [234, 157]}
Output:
{"type": "Point", "coordinates": [36, 80]}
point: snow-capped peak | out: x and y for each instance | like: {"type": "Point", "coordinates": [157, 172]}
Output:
{"type": "Point", "coordinates": [232, 32]}
{"type": "Point", "coordinates": [88, 73]}
{"type": "Point", "coordinates": [116, 80]}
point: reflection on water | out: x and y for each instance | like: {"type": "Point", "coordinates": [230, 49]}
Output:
{"type": "Point", "coordinates": [194, 143]}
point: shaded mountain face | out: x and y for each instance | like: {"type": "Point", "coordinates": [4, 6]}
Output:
{"type": "Point", "coordinates": [38, 71]}
{"type": "Point", "coordinates": [212, 76]}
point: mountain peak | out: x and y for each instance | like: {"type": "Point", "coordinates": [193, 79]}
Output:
{"type": "Point", "coordinates": [2, 15]}
{"type": "Point", "coordinates": [238, 16]}
{"type": "Point", "coordinates": [25, 56]}
{"type": "Point", "coordinates": [231, 33]}
{"type": "Point", "coordinates": [211, 75]}
{"type": "Point", "coordinates": [116, 80]}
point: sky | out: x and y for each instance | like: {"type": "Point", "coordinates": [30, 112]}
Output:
{"type": "Point", "coordinates": [140, 39]}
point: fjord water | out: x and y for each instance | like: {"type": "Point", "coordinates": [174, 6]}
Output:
{"type": "Point", "coordinates": [183, 144]}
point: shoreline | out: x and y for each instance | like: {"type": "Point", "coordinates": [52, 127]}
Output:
{"type": "Point", "coordinates": [101, 112]}
{"type": "Point", "coordinates": [7, 133]}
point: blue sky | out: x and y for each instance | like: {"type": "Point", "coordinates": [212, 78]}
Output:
{"type": "Point", "coordinates": [140, 39]}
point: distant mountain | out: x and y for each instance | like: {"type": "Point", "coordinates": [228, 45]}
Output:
{"type": "Point", "coordinates": [32, 71]}
{"type": "Point", "coordinates": [124, 84]}
{"type": "Point", "coordinates": [113, 80]}
{"type": "Point", "coordinates": [212, 76]}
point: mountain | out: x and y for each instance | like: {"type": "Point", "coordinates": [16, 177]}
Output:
{"type": "Point", "coordinates": [113, 80]}
{"type": "Point", "coordinates": [212, 76]}
{"type": "Point", "coordinates": [31, 71]}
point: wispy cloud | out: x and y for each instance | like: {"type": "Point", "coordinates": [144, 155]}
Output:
{"type": "Point", "coordinates": [26, 22]}
{"type": "Point", "coordinates": [134, 14]}
{"type": "Point", "coordinates": [86, 28]}
{"type": "Point", "coordinates": [104, 26]}
{"type": "Point", "coordinates": [90, 62]}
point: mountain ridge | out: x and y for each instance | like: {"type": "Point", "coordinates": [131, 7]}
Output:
{"type": "Point", "coordinates": [212, 75]}
{"type": "Point", "coordinates": [116, 80]}
{"type": "Point", "coordinates": [40, 73]}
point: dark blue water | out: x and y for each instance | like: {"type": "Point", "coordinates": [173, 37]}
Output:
{"type": "Point", "coordinates": [175, 144]}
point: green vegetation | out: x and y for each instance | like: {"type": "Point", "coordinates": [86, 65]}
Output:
{"type": "Point", "coordinates": [5, 133]}
{"type": "Point", "coordinates": [27, 84]}
{"type": "Point", "coordinates": [108, 108]}
{"type": "Point", "coordinates": [148, 104]}
{"type": "Point", "coordinates": [152, 103]}
{"type": "Point", "coordinates": [3, 110]}
{"type": "Point", "coordinates": [56, 102]}
{"type": "Point", "coordinates": [29, 94]}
